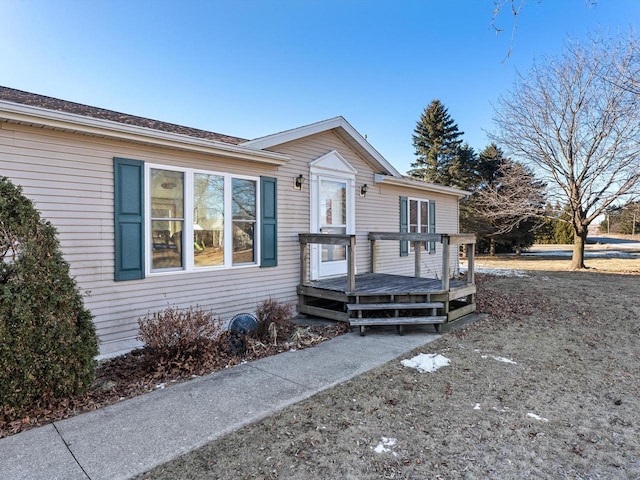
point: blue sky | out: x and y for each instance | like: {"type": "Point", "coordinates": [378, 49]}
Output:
{"type": "Point", "coordinates": [251, 68]}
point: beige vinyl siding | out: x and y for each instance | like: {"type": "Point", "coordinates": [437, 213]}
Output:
{"type": "Point", "coordinates": [70, 179]}
{"type": "Point", "coordinates": [382, 213]}
{"type": "Point", "coordinates": [378, 211]}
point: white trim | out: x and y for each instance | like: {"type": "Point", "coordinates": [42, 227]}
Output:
{"type": "Point", "coordinates": [332, 162]}
{"type": "Point", "coordinates": [418, 212]}
{"type": "Point", "coordinates": [331, 166]}
{"type": "Point", "coordinates": [338, 123]}
{"type": "Point", "coordinates": [420, 185]}
{"type": "Point", "coordinates": [53, 119]}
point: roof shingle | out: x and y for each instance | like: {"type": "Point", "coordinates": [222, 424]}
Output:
{"type": "Point", "coordinates": [50, 103]}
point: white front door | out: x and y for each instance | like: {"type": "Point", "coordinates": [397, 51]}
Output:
{"type": "Point", "coordinates": [333, 217]}
{"type": "Point", "coordinates": [332, 211]}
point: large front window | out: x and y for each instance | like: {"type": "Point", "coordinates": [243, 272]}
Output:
{"type": "Point", "coordinates": [201, 219]}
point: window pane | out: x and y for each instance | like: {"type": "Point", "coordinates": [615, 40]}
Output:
{"type": "Point", "coordinates": [208, 218]}
{"type": "Point", "coordinates": [243, 242]}
{"type": "Point", "coordinates": [333, 203]}
{"type": "Point", "coordinates": [244, 199]}
{"type": "Point", "coordinates": [424, 209]}
{"type": "Point", "coordinates": [243, 195]}
{"type": "Point", "coordinates": [167, 194]}
{"type": "Point", "coordinates": [167, 215]}
{"type": "Point", "coordinates": [413, 212]}
{"type": "Point", "coordinates": [166, 241]}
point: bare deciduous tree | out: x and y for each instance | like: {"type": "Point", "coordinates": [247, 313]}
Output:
{"type": "Point", "coordinates": [513, 198]}
{"type": "Point", "coordinates": [515, 7]}
{"type": "Point", "coordinates": [574, 119]}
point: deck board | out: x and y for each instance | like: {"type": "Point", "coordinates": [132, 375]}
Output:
{"type": "Point", "coordinates": [384, 284]}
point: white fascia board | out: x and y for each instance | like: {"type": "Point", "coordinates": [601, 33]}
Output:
{"type": "Point", "coordinates": [71, 122]}
{"type": "Point", "coordinates": [420, 185]}
{"type": "Point", "coordinates": [319, 127]}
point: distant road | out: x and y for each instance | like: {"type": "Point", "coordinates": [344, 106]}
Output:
{"type": "Point", "coordinates": [618, 242]}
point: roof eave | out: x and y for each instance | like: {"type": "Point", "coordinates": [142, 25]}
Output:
{"type": "Point", "coordinates": [420, 185]}
{"type": "Point", "coordinates": [29, 115]}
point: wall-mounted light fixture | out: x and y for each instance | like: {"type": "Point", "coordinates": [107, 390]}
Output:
{"type": "Point", "coordinates": [363, 190]}
{"type": "Point", "coordinates": [298, 181]}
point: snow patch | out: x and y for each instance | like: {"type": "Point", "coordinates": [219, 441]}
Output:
{"type": "Point", "coordinates": [477, 407]}
{"type": "Point", "coordinates": [537, 417]}
{"type": "Point", "coordinates": [426, 362]}
{"type": "Point", "coordinates": [499, 359]}
{"type": "Point", "coordinates": [498, 272]}
{"type": "Point", "coordinates": [385, 446]}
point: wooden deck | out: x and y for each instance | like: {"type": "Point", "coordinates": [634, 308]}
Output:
{"type": "Point", "coordinates": [383, 299]}
{"type": "Point", "coordinates": [381, 283]}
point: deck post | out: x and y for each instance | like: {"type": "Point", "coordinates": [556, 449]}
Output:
{"type": "Point", "coordinates": [351, 270]}
{"type": "Point", "coordinates": [304, 250]}
{"type": "Point", "coordinates": [445, 262]}
{"type": "Point", "coordinates": [470, 263]}
{"type": "Point", "coordinates": [372, 244]}
{"type": "Point", "coordinates": [418, 257]}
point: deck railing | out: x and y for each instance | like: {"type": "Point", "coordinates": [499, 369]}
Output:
{"type": "Point", "coordinates": [468, 240]}
{"type": "Point", "coordinates": [328, 239]}
{"type": "Point", "coordinates": [349, 241]}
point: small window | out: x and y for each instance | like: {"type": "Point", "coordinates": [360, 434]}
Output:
{"type": "Point", "coordinates": [418, 219]}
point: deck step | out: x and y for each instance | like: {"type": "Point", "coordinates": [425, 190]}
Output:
{"type": "Point", "coordinates": [355, 322]}
{"type": "Point", "coordinates": [393, 306]}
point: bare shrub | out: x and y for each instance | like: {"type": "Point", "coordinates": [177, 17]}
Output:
{"type": "Point", "coordinates": [274, 320]}
{"type": "Point", "coordinates": [179, 334]}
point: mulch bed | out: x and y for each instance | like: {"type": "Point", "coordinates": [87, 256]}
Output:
{"type": "Point", "coordinates": [134, 374]}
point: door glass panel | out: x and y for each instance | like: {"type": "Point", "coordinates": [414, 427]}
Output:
{"type": "Point", "coordinates": [333, 217]}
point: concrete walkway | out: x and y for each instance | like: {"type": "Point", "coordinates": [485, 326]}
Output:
{"type": "Point", "coordinates": [131, 437]}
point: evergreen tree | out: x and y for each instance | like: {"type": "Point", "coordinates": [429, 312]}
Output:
{"type": "Point", "coordinates": [437, 145]}
{"type": "Point", "coordinates": [623, 219]}
{"type": "Point", "coordinates": [489, 161]}
{"type": "Point", "coordinates": [47, 337]}
{"type": "Point", "coordinates": [462, 170]}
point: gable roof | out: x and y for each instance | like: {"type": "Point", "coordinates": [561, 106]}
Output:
{"type": "Point", "coordinates": [338, 124]}
{"type": "Point", "coordinates": [18, 106]}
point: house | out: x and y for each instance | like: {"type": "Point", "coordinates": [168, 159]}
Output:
{"type": "Point", "coordinates": [151, 214]}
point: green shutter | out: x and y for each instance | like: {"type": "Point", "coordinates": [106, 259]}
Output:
{"type": "Point", "coordinates": [404, 225]}
{"type": "Point", "coordinates": [129, 218]}
{"type": "Point", "coordinates": [268, 222]}
{"type": "Point", "coordinates": [432, 224]}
